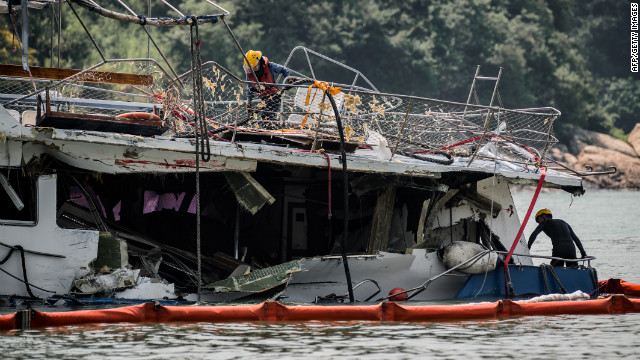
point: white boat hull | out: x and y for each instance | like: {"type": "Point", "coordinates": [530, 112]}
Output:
{"type": "Point", "coordinates": [325, 275]}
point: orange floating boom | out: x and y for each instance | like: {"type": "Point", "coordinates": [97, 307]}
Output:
{"type": "Point", "coordinates": [617, 286]}
{"type": "Point", "coordinates": [274, 311]}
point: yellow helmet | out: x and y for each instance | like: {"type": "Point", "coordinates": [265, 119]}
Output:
{"type": "Point", "coordinates": [254, 57]}
{"type": "Point", "coordinates": [543, 211]}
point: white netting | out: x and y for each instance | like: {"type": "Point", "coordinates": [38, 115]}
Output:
{"type": "Point", "coordinates": [110, 89]}
{"type": "Point", "coordinates": [408, 125]}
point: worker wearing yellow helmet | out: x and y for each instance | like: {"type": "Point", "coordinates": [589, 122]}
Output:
{"type": "Point", "coordinates": [265, 71]}
{"type": "Point", "coordinates": [562, 238]}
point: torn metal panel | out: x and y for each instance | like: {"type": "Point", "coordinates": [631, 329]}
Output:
{"type": "Point", "coordinates": [258, 280]}
{"type": "Point", "coordinates": [249, 193]}
{"type": "Point", "coordinates": [98, 283]}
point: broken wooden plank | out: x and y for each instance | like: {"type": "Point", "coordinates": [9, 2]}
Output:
{"type": "Point", "coordinates": [428, 225]}
{"type": "Point", "coordinates": [381, 223]}
{"type": "Point", "coordinates": [90, 76]}
{"type": "Point", "coordinates": [423, 217]}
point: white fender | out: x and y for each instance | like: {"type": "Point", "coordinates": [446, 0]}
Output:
{"type": "Point", "coordinates": [460, 251]}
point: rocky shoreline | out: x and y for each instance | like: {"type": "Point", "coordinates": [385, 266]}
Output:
{"type": "Point", "coordinates": [602, 151]}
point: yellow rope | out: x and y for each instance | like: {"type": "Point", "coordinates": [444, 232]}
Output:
{"type": "Point", "coordinates": [322, 86]}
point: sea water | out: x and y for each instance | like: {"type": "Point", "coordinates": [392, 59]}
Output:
{"type": "Point", "coordinates": [606, 222]}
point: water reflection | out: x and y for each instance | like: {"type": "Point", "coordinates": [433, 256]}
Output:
{"type": "Point", "coordinates": [605, 221]}
{"type": "Point", "coordinates": [531, 337]}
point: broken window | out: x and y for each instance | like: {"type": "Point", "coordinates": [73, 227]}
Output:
{"type": "Point", "coordinates": [18, 197]}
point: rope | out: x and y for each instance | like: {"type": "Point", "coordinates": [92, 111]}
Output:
{"type": "Point", "coordinates": [196, 76]}
{"type": "Point", "coordinates": [418, 289]}
{"type": "Point", "coordinates": [24, 271]}
{"type": "Point", "coordinates": [594, 279]}
{"type": "Point", "coordinates": [8, 256]}
{"type": "Point", "coordinates": [493, 186]}
{"type": "Point", "coordinates": [484, 280]}
{"type": "Point", "coordinates": [198, 95]}
{"type": "Point", "coordinates": [22, 281]}
{"type": "Point", "coordinates": [555, 277]}
{"type": "Point", "coordinates": [417, 155]}
{"type": "Point", "coordinates": [524, 223]}
{"type": "Point", "coordinates": [543, 272]}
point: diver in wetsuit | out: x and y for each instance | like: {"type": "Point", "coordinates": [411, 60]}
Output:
{"type": "Point", "coordinates": [562, 238]}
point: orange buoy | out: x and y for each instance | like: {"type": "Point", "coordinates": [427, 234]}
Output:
{"type": "Point", "coordinates": [140, 116]}
{"type": "Point", "coordinates": [402, 296]}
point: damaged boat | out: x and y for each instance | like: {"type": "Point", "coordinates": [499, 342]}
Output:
{"type": "Point", "coordinates": [126, 181]}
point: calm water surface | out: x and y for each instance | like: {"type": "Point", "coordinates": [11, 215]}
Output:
{"type": "Point", "coordinates": [606, 222]}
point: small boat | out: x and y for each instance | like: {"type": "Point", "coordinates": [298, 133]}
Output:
{"type": "Point", "coordinates": [126, 181]}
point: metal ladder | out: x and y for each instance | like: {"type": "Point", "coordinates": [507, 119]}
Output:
{"type": "Point", "coordinates": [489, 116]}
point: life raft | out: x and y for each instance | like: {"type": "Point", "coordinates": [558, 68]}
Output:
{"type": "Point", "coordinates": [140, 116]}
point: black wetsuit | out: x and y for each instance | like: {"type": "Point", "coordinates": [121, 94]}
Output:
{"type": "Point", "coordinates": [562, 238]}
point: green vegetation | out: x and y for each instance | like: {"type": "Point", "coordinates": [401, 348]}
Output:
{"type": "Point", "coordinates": [569, 54]}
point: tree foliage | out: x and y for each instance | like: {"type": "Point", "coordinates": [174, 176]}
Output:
{"type": "Point", "coordinates": [569, 54]}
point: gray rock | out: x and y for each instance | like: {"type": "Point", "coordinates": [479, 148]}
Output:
{"type": "Point", "coordinates": [583, 138]}
{"type": "Point", "coordinates": [627, 177]}
{"type": "Point", "coordinates": [634, 139]}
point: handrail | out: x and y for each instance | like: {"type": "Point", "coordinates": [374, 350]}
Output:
{"type": "Point", "coordinates": [587, 258]}
{"type": "Point", "coordinates": [550, 111]}
{"type": "Point", "coordinates": [324, 57]}
{"type": "Point", "coordinates": [418, 289]}
{"type": "Point", "coordinates": [589, 172]}
{"type": "Point", "coordinates": [90, 68]}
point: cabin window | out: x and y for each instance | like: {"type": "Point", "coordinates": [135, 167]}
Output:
{"type": "Point", "coordinates": [17, 198]}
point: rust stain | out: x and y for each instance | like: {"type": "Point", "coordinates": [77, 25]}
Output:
{"type": "Point", "coordinates": [131, 153]}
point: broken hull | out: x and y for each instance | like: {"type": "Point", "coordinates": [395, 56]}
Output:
{"type": "Point", "coordinates": [325, 276]}
{"type": "Point", "coordinates": [147, 185]}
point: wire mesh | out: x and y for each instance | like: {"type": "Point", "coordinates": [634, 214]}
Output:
{"type": "Point", "coordinates": [401, 124]}
{"type": "Point", "coordinates": [92, 92]}
{"type": "Point", "coordinates": [413, 125]}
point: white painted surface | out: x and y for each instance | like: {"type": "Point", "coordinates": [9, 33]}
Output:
{"type": "Point", "coordinates": [146, 288]}
{"type": "Point", "coordinates": [50, 273]}
{"type": "Point", "coordinates": [324, 276]}
{"type": "Point", "coordinates": [506, 225]}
